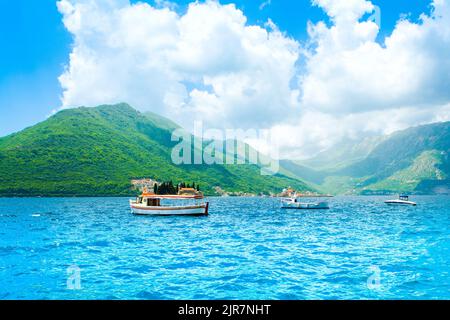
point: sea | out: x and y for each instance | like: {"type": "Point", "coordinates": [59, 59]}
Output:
{"type": "Point", "coordinates": [247, 248]}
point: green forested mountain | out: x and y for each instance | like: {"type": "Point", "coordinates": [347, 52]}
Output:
{"type": "Point", "coordinates": [412, 160]}
{"type": "Point", "coordinates": [96, 151]}
{"type": "Point", "coordinates": [342, 154]}
{"type": "Point", "coordinates": [415, 160]}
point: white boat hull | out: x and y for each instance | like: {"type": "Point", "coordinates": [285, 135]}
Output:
{"type": "Point", "coordinates": [194, 210]}
{"type": "Point", "coordinates": [305, 206]}
{"type": "Point", "coordinates": [400, 203]}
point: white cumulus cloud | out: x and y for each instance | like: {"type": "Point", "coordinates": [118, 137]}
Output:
{"type": "Point", "coordinates": [350, 72]}
{"type": "Point", "coordinates": [207, 64]}
{"type": "Point", "coordinates": [355, 86]}
{"type": "Point", "coordinates": [210, 64]}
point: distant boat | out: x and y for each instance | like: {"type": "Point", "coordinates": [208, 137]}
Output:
{"type": "Point", "coordinates": [150, 204]}
{"type": "Point", "coordinates": [403, 200]}
{"type": "Point", "coordinates": [292, 203]}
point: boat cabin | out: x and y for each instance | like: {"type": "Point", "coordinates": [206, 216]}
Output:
{"type": "Point", "coordinates": [403, 197]}
{"type": "Point", "coordinates": [151, 199]}
{"type": "Point", "coordinates": [151, 202]}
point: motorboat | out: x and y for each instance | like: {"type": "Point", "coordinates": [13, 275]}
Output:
{"type": "Point", "coordinates": [182, 204]}
{"type": "Point", "coordinates": [293, 203]}
{"type": "Point", "coordinates": [403, 200]}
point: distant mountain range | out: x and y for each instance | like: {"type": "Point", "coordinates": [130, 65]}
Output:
{"type": "Point", "coordinates": [415, 160]}
{"type": "Point", "coordinates": [97, 151]}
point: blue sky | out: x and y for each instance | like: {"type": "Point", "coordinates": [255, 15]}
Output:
{"type": "Point", "coordinates": [36, 47]}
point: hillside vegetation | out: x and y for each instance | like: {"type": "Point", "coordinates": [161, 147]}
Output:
{"type": "Point", "coordinates": [97, 151]}
{"type": "Point", "coordinates": [415, 160]}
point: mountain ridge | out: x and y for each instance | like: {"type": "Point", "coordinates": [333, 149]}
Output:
{"type": "Point", "coordinates": [414, 160]}
{"type": "Point", "coordinates": [97, 151]}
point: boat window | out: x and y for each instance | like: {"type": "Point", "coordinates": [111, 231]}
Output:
{"type": "Point", "coordinates": [153, 202]}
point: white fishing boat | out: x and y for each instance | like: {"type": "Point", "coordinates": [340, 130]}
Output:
{"type": "Point", "coordinates": [187, 203]}
{"type": "Point", "coordinates": [293, 203]}
{"type": "Point", "coordinates": [402, 200]}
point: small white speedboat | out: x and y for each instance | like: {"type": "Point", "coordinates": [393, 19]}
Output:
{"type": "Point", "coordinates": [292, 203]}
{"type": "Point", "coordinates": [401, 201]}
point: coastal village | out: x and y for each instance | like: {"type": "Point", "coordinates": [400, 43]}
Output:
{"type": "Point", "coordinates": [149, 184]}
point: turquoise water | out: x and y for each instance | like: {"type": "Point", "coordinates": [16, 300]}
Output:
{"type": "Point", "coordinates": [247, 248]}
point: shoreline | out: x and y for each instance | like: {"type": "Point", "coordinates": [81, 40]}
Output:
{"type": "Point", "coordinates": [209, 196]}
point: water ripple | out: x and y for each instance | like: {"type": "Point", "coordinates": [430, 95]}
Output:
{"type": "Point", "coordinates": [247, 248]}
